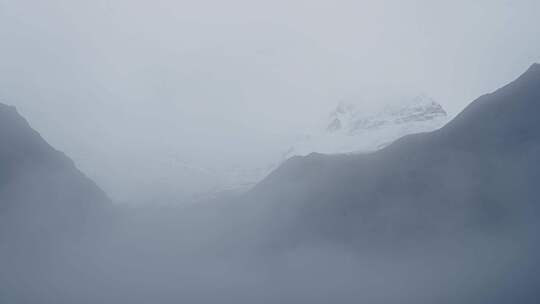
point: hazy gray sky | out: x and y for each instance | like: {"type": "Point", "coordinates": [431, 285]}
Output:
{"type": "Point", "coordinates": [128, 84]}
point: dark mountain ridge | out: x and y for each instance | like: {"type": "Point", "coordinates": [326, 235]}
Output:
{"type": "Point", "coordinates": [478, 173]}
{"type": "Point", "coordinates": [41, 190]}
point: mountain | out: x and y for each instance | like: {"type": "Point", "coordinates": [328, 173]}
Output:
{"type": "Point", "coordinates": [478, 173]}
{"type": "Point", "coordinates": [42, 193]}
{"type": "Point", "coordinates": [351, 128]}
{"type": "Point", "coordinates": [457, 207]}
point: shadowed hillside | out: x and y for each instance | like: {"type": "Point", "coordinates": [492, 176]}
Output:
{"type": "Point", "coordinates": [42, 193]}
{"type": "Point", "coordinates": [479, 173]}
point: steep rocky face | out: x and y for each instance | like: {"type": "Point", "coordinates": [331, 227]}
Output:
{"type": "Point", "coordinates": [477, 173]}
{"type": "Point", "coordinates": [41, 191]}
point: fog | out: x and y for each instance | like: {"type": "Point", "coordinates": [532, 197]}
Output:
{"type": "Point", "coordinates": [217, 254]}
{"type": "Point", "coordinates": [185, 91]}
{"type": "Point", "coordinates": [132, 115]}
{"type": "Point", "coordinates": [213, 254]}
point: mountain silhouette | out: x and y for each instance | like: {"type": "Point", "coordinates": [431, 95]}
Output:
{"type": "Point", "coordinates": [42, 193]}
{"type": "Point", "coordinates": [477, 173]}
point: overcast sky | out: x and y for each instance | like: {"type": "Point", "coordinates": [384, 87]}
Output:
{"type": "Point", "coordinates": [125, 84]}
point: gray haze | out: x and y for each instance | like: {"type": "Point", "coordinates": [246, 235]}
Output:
{"type": "Point", "coordinates": [153, 100]}
{"type": "Point", "coordinates": [443, 217]}
{"type": "Point", "coordinates": [183, 89]}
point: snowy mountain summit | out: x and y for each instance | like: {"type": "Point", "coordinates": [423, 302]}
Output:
{"type": "Point", "coordinates": [350, 129]}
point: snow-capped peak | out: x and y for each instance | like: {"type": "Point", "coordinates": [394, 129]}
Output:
{"type": "Point", "coordinates": [349, 118]}
{"type": "Point", "coordinates": [350, 128]}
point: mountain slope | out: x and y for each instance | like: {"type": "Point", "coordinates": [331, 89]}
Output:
{"type": "Point", "coordinates": [478, 173]}
{"type": "Point", "coordinates": [350, 128]}
{"type": "Point", "coordinates": [41, 191]}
